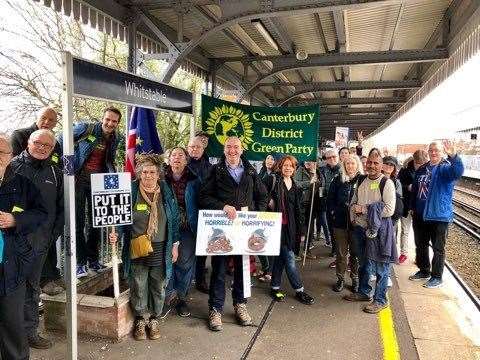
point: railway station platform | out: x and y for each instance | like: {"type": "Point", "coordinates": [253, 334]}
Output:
{"type": "Point", "coordinates": [419, 324]}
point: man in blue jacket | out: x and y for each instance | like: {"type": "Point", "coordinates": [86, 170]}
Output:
{"type": "Point", "coordinates": [21, 213]}
{"type": "Point", "coordinates": [432, 193]}
{"type": "Point", "coordinates": [95, 148]}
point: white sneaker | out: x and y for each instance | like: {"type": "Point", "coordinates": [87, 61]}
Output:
{"type": "Point", "coordinates": [82, 271]}
{"type": "Point", "coordinates": [373, 278]}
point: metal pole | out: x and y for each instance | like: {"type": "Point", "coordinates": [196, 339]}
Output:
{"type": "Point", "coordinates": [69, 195]}
{"type": "Point", "coordinates": [116, 281]}
{"type": "Point", "coordinates": [194, 115]}
{"type": "Point", "coordinates": [131, 67]}
{"type": "Point", "coordinates": [309, 224]}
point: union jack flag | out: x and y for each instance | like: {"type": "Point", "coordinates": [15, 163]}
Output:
{"type": "Point", "coordinates": [142, 137]}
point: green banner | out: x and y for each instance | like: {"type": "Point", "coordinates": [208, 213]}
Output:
{"type": "Point", "coordinates": [262, 130]}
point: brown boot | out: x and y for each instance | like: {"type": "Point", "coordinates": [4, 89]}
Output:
{"type": "Point", "coordinates": [139, 333]}
{"type": "Point", "coordinates": [374, 307]}
{"type": "Point", "coordinates": [357, 297]}
{"type": "Point", "coordinates": [215, 320]}
{"type": "Point", "coordinates": [154, 329]}
{"type": "Point", "coordinates": [241, 314]}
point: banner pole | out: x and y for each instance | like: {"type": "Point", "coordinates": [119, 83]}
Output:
{"type": "Point", "coordinates": [69, 204]}
{"type": "Point", "coordinates": [309, 224]}
{"type": "Point", "coordinates": [194, 115]}
{"type": "Point", "coordinates": [116, 281]}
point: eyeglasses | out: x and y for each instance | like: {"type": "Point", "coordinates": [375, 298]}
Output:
{"type": "Point", "coordinates": [42, 145]}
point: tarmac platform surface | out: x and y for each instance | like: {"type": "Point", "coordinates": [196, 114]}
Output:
{"type": "Point", "coordinates": [416, 326]}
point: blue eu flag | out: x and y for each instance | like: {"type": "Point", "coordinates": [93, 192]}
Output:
{"type": "Point", "coordinates": [110, 182]}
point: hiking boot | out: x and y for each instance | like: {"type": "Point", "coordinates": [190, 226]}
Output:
{"type": "Point", "coordinates": [182, 309]}
{"type": "Point", "coordinates": [402, 258]}
{"type": "Point", "coordinates": [357, 297]}
{"type": "Point", "coordinates": [38, 342]}
{"type": "Point", "coordinates": [354, 286]}
{"type": "Point", "coordinates": [419, 275]}
{"type": "Point", "coordinates": [304, 298]}
{"type": "Point", "coordinates": [374, 307]}
{"type": "Point", "coordinates": [215, 320]}
{"type": "Point", "coordinates": [154, 329]}
{"type": "Point", "coordinates": [139, 332]}
{"type": "Point", "coordinates": [433, 283]}
{"type": "Point", "coordinates": [277, 295]}
{"type": "Point", "coordinates": [241, 314]}
{"type": "Point", "coordinates": [339, 285]}
{"type": "Point", "coordinates": [311, 256]}
{"type": "Point", "coordinates": [52, 289]}
{"type": "Point", "coordinates": [332, 265]}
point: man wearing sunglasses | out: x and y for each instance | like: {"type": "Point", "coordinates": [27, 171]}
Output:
{"type": "Point", "coordinates": [35, 164]}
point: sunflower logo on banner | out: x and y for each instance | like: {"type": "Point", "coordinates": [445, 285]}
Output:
{"type": "Point", "coordinates": [225, 121]}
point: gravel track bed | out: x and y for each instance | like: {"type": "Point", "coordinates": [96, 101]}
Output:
{"type": "Point", "coordinates": [463, 253]}
{"type": "Point", "coordinates": [470, 200]}
{"type": "Point", "coordinates": [467, 214]}
{"type": "Point", "coordinates": [472, 184]}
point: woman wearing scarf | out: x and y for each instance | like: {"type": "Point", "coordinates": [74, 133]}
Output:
{"type": "Point", "coordinates": [339, 196]}
{"type": "Point", "coordinates": [150, 245]}
{"type": "Point", "coordinates": [286, 198]}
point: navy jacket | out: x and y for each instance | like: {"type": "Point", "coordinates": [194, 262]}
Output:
{"type": "Point", "coordinates": [86, 136]}
{"type": "Point", "coordinates": [440, 191]}
{"type": "Point", "coordinates": [200, 167]}
{"type": "Point", "coordinates": [406, 176]}
{"type": "Point", "coordinates": [338, 201]}
{"type": "Point", "coordinates": [19, 197]}
{"type": "Point", "coordinates": [382, 247]}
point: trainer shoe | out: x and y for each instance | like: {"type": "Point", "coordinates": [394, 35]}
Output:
{"type": "Point", "coordinates": [357, 297]}
{"type": "Point", "coordinates": [304, 298]}
{"type": "Point", "coordinates": [153, 329]}
{"type": "Point", "coordinates": [182, 309]}
{"type": "Point", "coordinates": [38, 342]}
{"type": "Point", "coordinates": [215, 320]}
{"type": "Point", "coordinates": [241, 314]}
{"type": "Point", "coordinates": [402, 258]}
{"type": "Point", "coordinates": [433, 283]}
{"type": "Point", "coordinates": [419, 275]}
{"type": "Point", "coordinates": [374, 307]}
{"type": "Point", "coordinates": [96, 266]}
{"type": "Point", "coordinates": [52, 289]}
{"type": "Point", "coordinates": [139, 332]}
{"type": "Point", "coordinates": [277, 295]}
{"type": "Point", "coordinates": [332, 265]}
{"type": "Point", "coordinates": [82, 271]}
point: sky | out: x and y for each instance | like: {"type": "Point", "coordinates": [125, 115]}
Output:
{"type": "Point", "coordinates": [453, 106]}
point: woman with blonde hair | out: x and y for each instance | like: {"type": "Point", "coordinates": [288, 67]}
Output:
{"type": "Point", "coordinates": [339, 197]}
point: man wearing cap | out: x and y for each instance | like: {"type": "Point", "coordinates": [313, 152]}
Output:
{"type": "Point", "coordinates": [232, 184]}
{"type": "Point", "coordinates": [432, 208]}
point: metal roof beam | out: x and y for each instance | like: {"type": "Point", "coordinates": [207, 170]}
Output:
{"type": "Point", "coordinates": [351, 101]}
{"type": "Point", "coordinates": [350, 110]}
{"type": "Point", "coordinates": [354, 118]}
{"type": "Point", "coordinates": [340, 29]}
{"type": "Point", "coordinates": [235, 12]}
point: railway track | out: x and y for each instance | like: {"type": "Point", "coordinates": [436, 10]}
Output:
{"type": "Point", "coordinates": [470, 226]}
{"type": "Point", "coordinates": [469, 192]}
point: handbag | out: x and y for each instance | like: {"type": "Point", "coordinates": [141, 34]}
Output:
{"type": "Point", "coordinates": [140, 246]}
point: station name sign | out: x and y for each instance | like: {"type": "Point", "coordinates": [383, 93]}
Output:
{"type": "Point", "coordinates": [97, 81]}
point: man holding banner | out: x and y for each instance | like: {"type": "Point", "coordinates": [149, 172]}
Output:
{"type": "Point", "coordinates": [95, 148]}
{"type": "Point", "coordinates": [231, 185]}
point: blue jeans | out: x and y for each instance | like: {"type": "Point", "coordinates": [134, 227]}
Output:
{"type": "Point", "coordinates": [286, 260]}
{"type": "Point", "coordinates": [322, 223]}
{"type": "Point", "coordinates": [369, 267]}
{"type": "Point", "coordinates": [183, 270]}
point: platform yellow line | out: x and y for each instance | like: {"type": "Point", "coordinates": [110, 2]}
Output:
{"type": "Point", "coordinates": [387, 332]}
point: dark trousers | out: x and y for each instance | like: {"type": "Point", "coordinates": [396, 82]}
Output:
{"type": "Point", "coordinates": [217, 282]}
{"type": "Point", "coordinates": [50, 271]}
{"type": "Point", "coordinates": [87, 246]}
{"type": "Point", "coordinates": [32, 295]}
{"type": "Point", "coordinates": [13, 339]}
{"type": "Point", "coordinates": [330, 223]}
{"type": "Point", "coordinates": [183, 268]}
{"type": "Point", "coordinates": [426, 232]}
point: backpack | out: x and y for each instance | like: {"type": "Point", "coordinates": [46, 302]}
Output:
{"type": "Point", "coordinates": [398, 212]}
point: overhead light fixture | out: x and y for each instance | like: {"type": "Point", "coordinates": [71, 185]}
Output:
{"type": "Point", "coordinates": [266, 35]}
{"type": "Point", "coordinates": [301, 54]}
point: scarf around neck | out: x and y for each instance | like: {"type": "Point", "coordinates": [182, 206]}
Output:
{"type": "Point", "coordinates": [153, 217]}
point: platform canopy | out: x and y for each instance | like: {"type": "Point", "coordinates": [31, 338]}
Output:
{"type": "Point", "coordinates": [361, 60]}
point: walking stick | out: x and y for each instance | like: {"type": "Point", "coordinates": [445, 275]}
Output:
{"type": "Point", "coordinates": [309, 224]}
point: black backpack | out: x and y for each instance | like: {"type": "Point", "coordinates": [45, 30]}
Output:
{"type": "Point", "coordinates": [397, 214]}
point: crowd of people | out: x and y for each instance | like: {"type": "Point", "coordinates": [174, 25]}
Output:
{"type": "Point", "coordinates": [354, 202]}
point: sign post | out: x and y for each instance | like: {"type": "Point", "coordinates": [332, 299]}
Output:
{"type": "Point", "coordinates": [112, 206]}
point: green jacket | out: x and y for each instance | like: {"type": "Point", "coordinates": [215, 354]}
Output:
{"type": "Point", "coordinates": [173, 234]}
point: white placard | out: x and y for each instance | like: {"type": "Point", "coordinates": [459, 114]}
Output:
{"type": "Point", "coordinates": [250, 233]}
{"type": "Point", "coordinates": [111, 199]}
{"type": "Point", "coordinates": [341, 136]}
